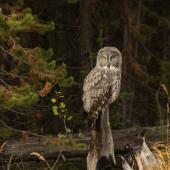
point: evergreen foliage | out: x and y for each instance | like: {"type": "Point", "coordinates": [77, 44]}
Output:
{"type": "Point", "coordinates": [27, 74]}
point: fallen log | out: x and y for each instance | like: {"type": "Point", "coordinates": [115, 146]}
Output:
{"type": "Point", "coordinates": [76, 147]}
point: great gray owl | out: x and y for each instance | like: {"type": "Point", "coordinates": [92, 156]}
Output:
{"type": "Point", "coordinates": [102, 85]}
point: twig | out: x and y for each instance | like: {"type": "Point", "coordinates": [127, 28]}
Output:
{"type": "Point", "coordinates": [162, 86]}
{"type": "Point", "coordinates": [49, 167]}
{"type": "Point", "coordinates": [2, 164]}
{"type": "Point", "coordinates": [2, 146]}
{"type": "Point", "coordinates": [20, 131]}
{"type": "Point", "coordinates": [9, 163]}
{"type": "Point", "coordinates": [158, 105]}
{"type": "Point", "coordinates": [6, 51]}
{"type": "Point", "coordinates": [58, 158]}
{"type": "Point", "coordinates": [23, 166]}
{"type": "Point", "coordinates": [154, 14]}
{"type": "Point", "coordinates": [10, 54]}
{"type": "Point", "coordinates": [167, 110]}
{"type": "Point", "coordinates": [18, 166]}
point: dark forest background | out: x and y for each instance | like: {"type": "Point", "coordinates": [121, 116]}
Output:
{"type": "Point", "coordinates": [47, 50]}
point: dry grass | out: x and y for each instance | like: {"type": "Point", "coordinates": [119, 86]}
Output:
{"type": "Point", "coordinates": [162, 153]}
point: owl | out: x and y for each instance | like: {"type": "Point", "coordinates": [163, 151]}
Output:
{"type": "Point", "coordinates": [102, 85]}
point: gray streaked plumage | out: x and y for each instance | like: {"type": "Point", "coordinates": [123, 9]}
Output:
{"type": "Point", "coordinates": [102, 85]}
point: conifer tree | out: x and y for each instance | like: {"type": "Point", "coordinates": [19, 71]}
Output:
{"type": "Point", "coordinates": [26, 74]}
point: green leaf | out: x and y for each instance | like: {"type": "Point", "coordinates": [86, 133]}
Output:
{"type": "Point", "coordinates": [55, 110]}
{"type": "Point", "coordinates": [53, 100]}
{"type": "Point", "coordinates": [69, 118]}
{"type": "Point", "coordinates": [61, 136]}
{"type": "Point", "coordinates": [68, 130]}
{"type": "Point", "coordinates": [62, 105]}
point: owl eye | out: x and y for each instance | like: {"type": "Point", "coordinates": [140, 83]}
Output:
{"type": "Point", "coordinates": [103, 60]}
{"type": "Point", "coordinates": [114, 61]}
{"type": "Point", "coordinates": [113, 56]}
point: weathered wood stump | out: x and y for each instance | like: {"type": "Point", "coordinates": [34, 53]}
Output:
{"type": "Point", "coordinates": [102, 147]}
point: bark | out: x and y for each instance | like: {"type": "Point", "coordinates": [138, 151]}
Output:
{"type": "Point", "coordinates": [101, 142]}
{"type": "Point", "coordinates": [128, 60]}
{"type": "Point", "coordinates": [86, 28]}
{"type": "Point", "coordinates": [132, 84]}
{"type": "Point", "coordinates": [138, 21]}
{"type": "Point", "coordinates": [125, 52]}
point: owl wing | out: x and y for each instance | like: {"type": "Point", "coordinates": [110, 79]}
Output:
{"type": "Point", "coordinates": [115, 86]}
{"type": "Point", "coordinates": [96, 90]}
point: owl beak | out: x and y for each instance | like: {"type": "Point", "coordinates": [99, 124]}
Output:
{"type": "Point", "coordinates": [108, 65]}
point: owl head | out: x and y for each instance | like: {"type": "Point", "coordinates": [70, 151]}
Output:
{"type": "Point", "coordinates": [109, 57]}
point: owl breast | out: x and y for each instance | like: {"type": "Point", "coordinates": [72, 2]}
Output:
{"type": "Point", "coordinates": [101, 87]}
{"type": "Point", "coordinates": [115, 85]}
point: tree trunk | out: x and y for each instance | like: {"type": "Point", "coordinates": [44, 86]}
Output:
{"type": "Point", "coordinates": [101, 142]}
{"type": "Point", "coordinates": [86, 31]}
{"type": "Point", "coordinates": [132, 84]}
{"type": "Point", "coordinates": [125, 53]}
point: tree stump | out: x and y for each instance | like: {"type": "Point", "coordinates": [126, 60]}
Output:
{"type": "Point", "coordinates": [102, 147]}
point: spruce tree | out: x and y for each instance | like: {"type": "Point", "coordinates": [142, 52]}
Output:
{"type": "Point", "coordinates": [27, 75]}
